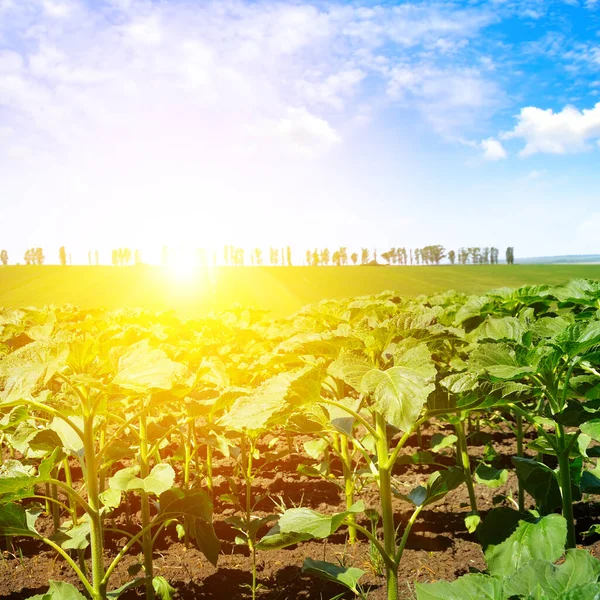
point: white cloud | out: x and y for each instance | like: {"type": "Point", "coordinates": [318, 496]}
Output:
{"type": "Point", "coordinates": [535, 175]}
{"type": "Point", "coordinates": [564, 132]}
{"type": "Point", "coordinates": [303, 132]}
{"type": "Point", "coordinates": [449, 99]}
{"type": "Point", "coordinates": [493, 150]}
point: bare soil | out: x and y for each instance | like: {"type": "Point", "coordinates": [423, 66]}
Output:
{"type": "Point", "coordinates": [439, 546]}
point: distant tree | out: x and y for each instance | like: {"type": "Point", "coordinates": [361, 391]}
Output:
{"type": "Point", "coordinates": [308, 258]}
{"type": "Point", "coordinates": [4, 257]}
{"type": "Point", "coordinates": [315, 258]}
{"type": "Point", "coordinates": [115, 257]}
{"type": "Point", "coordinates": [452, 256]}
{"type": "Point", "coordinates": [486, 255]}
{"type": "Point", "coordinates": [437, 253]}
{"type": "Point", "coordinates": [258, 254]}
{"type": "Point", "coordinates": [494, 253]}
{"type": "Point", "coordinates": [137, 257]}
{"type": "Point", "coordinates": [97, 257]}
{"type": "Point", "coordinates": [335, 258]}
{"type": "Point", "coordinates": [289, 256]}
{"type": "Point", "coordinates": [89, 258]}
{"type": "Point", "coordinates": [364, 256]}
{"type": "Point", "coordinates": [39, 256]}
{"type": "Point", "coordinates": [510, 255]}
{"type": "Point", "coordinates": [411, 256]}
{"type": "Point", "coordinates": [463, 256]}
{"type": "Point", "coordinates": [126, 255]}
{"type": "Point", "coordinates": [274, 256]}
{"type": "Point", "coordinates": [354, 258]}
{"type": "Point", "coordinates": [344, 255]}
{"type": "Point", "coordinates": [28, 257]}
{"type": "Point", "coordinates": [62, 256]}
{"type": "Point", "coordinates": [325, 256]}
{"type": "Point", "coordinates": [387, 256]}
{"type": "Point", "coordinates": [417, 255]}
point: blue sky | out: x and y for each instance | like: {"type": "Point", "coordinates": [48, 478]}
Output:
{"type": "Point", "coordinates": [198, 124]}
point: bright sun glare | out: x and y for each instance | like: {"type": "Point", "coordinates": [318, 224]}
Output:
{"type": "Point", "coordinates": [183, 267]}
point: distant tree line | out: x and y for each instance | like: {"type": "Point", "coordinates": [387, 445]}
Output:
{"type": "Point", "coordinates": [234, 256]}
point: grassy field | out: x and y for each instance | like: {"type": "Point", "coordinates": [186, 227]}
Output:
{"type": "Point", "coordinates": [281, 290]}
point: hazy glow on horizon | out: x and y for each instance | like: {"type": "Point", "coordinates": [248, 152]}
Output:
{"type": "Point", "coordinates": [309, 124]}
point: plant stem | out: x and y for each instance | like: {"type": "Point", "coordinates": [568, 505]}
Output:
{"type": "Point", "coordinates": [387, 511]}
{"type": "Point", "coordinates": [519, 420]}
{"type": "Point", "coordinates": [147, 537]}
{"type": "Point", "coordinates": [465, 463]}
{"type": "Point", "coordinates": [91, 483]}
{"type": "Point", "coordinates": [348, 485]}
{"type": "Point", "coordinates": [248, 456]}
{"type": "Point", "coordinates": [564, 474]}
{"type": "Point", "coordinates": [406, 533]}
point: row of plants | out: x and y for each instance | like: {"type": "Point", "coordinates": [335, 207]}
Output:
{"type": "Point", "coordinates": [101, 411]}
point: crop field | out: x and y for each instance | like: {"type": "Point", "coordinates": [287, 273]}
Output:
{"type": "Point", "coordinates": [281, 290]}
{"type": "Point", "coordinates": [385, 446]}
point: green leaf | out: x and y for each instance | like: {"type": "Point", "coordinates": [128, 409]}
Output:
{"type": "Point", "coordinates": [576, 413]}
{"type": "Point", "coordinates": [540, 576]}
{"type": "Point", "coordinates": [160, 479]}
{"type": "Point", "coordinates": [162, 588]}
{"type": "Point", "coordinates": [589, 591]}
{"type": "Point", "coordinates": [16, 520]}
{"type": "Point", "coordinates": [500, 329]}
{"type": "Point", "coordinates": [15, 478]}
{"type": "Point", "coordinates": [499, 524]}
{"type": "Point", "coordinates": [490, 476]}
{"type": "Point", "coordinates": [315, 448]}
{"type": "Point", "coordinates": [474, 586]}
{"type": "Point", "coordinates": [74, 537]}
{"type": "Point", "coordinates": [439, 441]}
{"type": "Point", "coordinates": [142, 369]}
{"type": "Point", "coordinates": [540, 481]}
{"type": "Point", "coordinates": [472, 522]}
{"type": "Point", "coordinates": [59, 590]}
{"type": "Point", "coordinates": [269, 401]}
{"type": "Point", "coordinates": [399, 394]}
{"type": "Point", "coordinates": [544, 540]}
{"type": "Point", "coordinates": [346, 576]}
{"type": "Point", "coordinates": [300, 524]}
{"type": "Point", "coordinates": [26, 370]}
{"type": "Point", "coordinates": [438, 485]}
{"type": "Point", "coordinates": [196, 507]}
{"type": "Point", "coordinates": [592, 428]}
{"type": "Point", "coordinates": [71, 442]}
{"type": "Point", "coordinates": [350, 370]}
{"type": "Point", "coordinates": [317, 525]}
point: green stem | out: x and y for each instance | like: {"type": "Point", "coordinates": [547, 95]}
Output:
{"type": "Point", "coordinates": [91, 482]}
{"type": "Point", "coordinates": [564, 474]}
{"type": "Point", "coordinates": [147, 537]}
{"type": "Point", "coordinates": [465, 463]}
{"type": "Point", "coordinates": [387, 511]}
{"type": "Point", "coordinates": [353, 413]}
{"type": "Point", "coordinates": [69, 482]}
{"type": "Point", "coordinates": [348, 485]}
{"type": "Point", "coordinates": [406, 533]}
{"type": "Point", "coordinates": [90, 589]}
{"type": "Point", "coordinates": [519, 432]}
{"type": "Point", "coordinates": [248, 456]}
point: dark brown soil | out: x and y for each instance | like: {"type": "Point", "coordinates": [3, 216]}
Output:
{"type": "Point", "coordinates": [439, 546]}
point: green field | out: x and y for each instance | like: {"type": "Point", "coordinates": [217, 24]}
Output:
{"type": "Point", "coordinates": [279, 289]}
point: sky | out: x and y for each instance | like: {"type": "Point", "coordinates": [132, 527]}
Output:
{"type": "Point", "coordinates": [194, 123]}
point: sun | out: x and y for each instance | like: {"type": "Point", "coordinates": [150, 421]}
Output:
{"type": "Point", "coordinates": [183, 267]}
